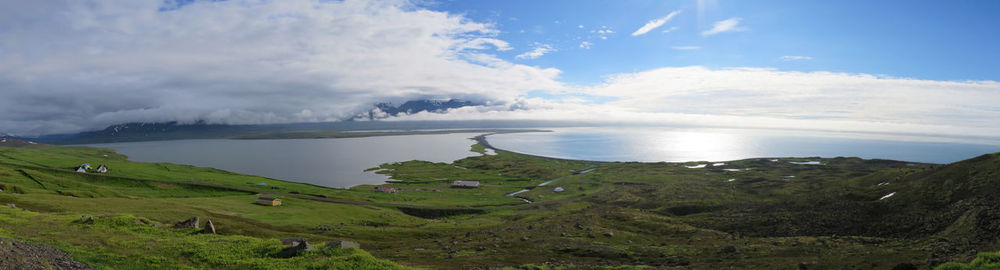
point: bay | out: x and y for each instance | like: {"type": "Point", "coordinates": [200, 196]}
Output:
{"type": "Point", "coordinates": [326, 162]}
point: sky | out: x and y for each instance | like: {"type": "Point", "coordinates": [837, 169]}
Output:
{"type": "Point", "coordinates": [913, 67]}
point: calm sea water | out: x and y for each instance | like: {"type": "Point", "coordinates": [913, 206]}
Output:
{"type": "Point", "coordinates": [341, 162]}
{"type": "Point", "coordinates": [662, 144]}
{"type": "Point", "coordinates": [325, 162]}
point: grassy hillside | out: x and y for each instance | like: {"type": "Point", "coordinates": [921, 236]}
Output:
{"type": "Point", "coordinates": [782, 213]}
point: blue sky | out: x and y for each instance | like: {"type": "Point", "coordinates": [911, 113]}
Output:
{"type": "Point", "coordinates": [914, 67]}
{"type": "Point", "coordinates": [936, 40]}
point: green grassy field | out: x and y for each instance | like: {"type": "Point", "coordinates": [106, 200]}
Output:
{"type": "Point", "coordinates": [747, 214]}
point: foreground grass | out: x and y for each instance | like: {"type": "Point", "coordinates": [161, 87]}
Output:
{"type": "Point", "coordinates": [128, 242]}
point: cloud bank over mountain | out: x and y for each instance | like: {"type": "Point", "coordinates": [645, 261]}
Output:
{"type": "Point", "coordinates": [71, 65]}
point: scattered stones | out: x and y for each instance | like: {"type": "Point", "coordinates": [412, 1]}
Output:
{"type": "Point", "coordinates": [480, 248]}
{"type": "Point", "coordinates": [209, 227]}
{"type": "Point", "coordinates": [189, 223]}
{"type": "Point", "coordinates": [609, 234]}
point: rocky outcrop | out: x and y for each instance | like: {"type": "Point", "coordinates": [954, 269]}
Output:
{"type": "Point", "coordinates": [296, 246]}
{"type": "Point", "coordinates": [189, 223]}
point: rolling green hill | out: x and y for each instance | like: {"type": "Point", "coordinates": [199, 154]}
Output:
{"type": "Point", "coordinates": [784, 213]}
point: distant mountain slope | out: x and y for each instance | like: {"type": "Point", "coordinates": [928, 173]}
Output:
{"type": "Point", "coordinates": [131, 132]}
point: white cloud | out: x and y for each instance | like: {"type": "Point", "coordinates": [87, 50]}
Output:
{"type": "Point", "coordinates": [671, 29]}
{"type": "Point", "coordinates": [653, 24]}
{"type": "Point", "coordinates": [538, 51]}
{"type": "Point", "coordinates": [91, 64]}
{"type": "Point", "coordinates": [767, 98]}
{"type": "Point", "coordinates": [795, 58]}
{"type": "Point", "coordinates": [586, 45]}
{"type": "Point", "coordinates": [685, 48]}
{"type": "Point", "coordinates": [727, 25]}
{"type": "Point", "coordinates": [579, 26]}
{"type": "Point", "coordinates": [603, 33]}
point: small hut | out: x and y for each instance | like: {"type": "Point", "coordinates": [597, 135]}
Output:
{"type": "Point", "coordinates": [102, 169]}
{"type": "Point", "coordinates": [268, 201]}
{"type": "Point", "coordinates": [81, 169]}
{"type": "Point", "coordinates": [385, 189]}
{"type": "Point", "coordinates": [465, 184]}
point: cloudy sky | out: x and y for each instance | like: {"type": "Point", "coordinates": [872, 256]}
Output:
{"type": "Point", "coordinates": [873, 66]}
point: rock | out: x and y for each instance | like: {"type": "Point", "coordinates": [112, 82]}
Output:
{"type": "Point", "coordinates": [298, 246]}
{"type": "Point", "coordinates": [578, 226]}
{"type": "Point", "coordinates": [189, 223]}
{"type": "Point", "coordinates": [564, 234]}
{"type": "Point", "coordinates": [905, 266]}
{"type": "Point", "coordinates": [729, 249]}
{"type": "Point", "coordinates": [480, 248]}
{"type": "Point", "coordinates": [609, 234]}
{"type": "Point", "coordinates": [345, 244]}
{"type": "Point", "coordinates": [803, 266]}
{"type": "Point", "coordinates": [87, 220]}
{"type": "Point", "coordinates": [11, 205]}
{"type": "Point", "coordinates": [524, 238]}
{"type": "Point", "coordinates": [209, 227]}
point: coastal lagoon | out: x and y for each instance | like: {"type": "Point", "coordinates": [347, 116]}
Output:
{"type": "Point", "coordinates": [689, 144]}
{"type": "Point", "coordinates": [326, 162]}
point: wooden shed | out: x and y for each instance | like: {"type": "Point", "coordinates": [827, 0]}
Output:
{"type": "Point", "coordinates": [268, 201]}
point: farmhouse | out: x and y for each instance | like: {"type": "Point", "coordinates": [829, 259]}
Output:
{"type": "Point", "coordinates": [465, 184]}
{"type": "Point", "coordinates": [385, 189]}
{"type": "Point", "coordinates": [102, 169]}
{"type": "Point", "coordinates": [268, 201]}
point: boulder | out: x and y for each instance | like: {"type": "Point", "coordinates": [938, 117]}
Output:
{"type": "Point", "coordinates": [11, 205]}
{"type": "Point", "coordinates": [189, 223]}
{"type": "Point", "coordinates": [209, 227]}
{"type": "Point", "coordinates": [609, 234]}
{"type": "Point", "coordinates": [298, 246]}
